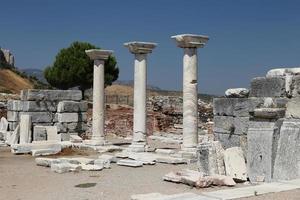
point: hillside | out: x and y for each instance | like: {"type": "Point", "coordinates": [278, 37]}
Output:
{"type": "Point", "coordinates": [10, 82]}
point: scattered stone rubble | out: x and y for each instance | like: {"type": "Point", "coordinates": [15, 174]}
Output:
{"type": "Point", "coordinates": [265, 124]}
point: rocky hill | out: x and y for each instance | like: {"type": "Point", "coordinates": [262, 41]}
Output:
{"type": "Point", "coordinates": [12, 82]}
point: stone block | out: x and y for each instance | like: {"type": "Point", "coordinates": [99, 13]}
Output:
{"type": "Point", "coordinates": [72, 117]}
{"type": "Point", "coordinates": [39, 117]}
{"type": "Point", "coordinates": [44, 152]}
{"type": "Point", "coordinates": [75, 139]}
{"type": "Point", "coordinates": [262, 142]}
{"type": "Point", "coordinates": [292, 108]}
{"type": "Point", "coordinates": [171, 160]}
{"type": "Point", "coordinates": [102, 162]}
{"type": "Point", "coordinates": [295, 86]}
{"type": "Point", "coordinates": [31, 106]}
{"type": "Point", "coordinates": [91, 167]}
{"type": "Point", "coordinates": [223, 124]}
{"type": "Point", "coordinates": [269, 113]}
{"type": "Point", "coordinates": [237, 93]}
{"type": "Point", "coordinates": [25, 129]}
{"type": "Point", "coordinates": [51, 95]}
{"type": "Point", "coordinates": [240, 125]}
{"type": "Point", "coordinates": [27, 148]}
{"type": "Point", "coordinates": [12, 125]}
{"type": "Point", "coordinates": [39, 133]}
{"type": "Point", "coordinates": [229, 140]}
{"type": "Point", "coordinates": [235, 164]}
{"type": "Point", "coordinates": [287, 161]}
{"type": "Point", "coordinates": [223, 106]}
{"type": "Point", "coordinates": [210, 158]}
{"type": "Point", "coordinates": [52, 134]}
{"type": "Point", "coordinates": [268, 87]}
{"type": "Point", "coordinates": [64, 167]}
{"type": "Point", "coordinates": [12, 116]}
{"type": "Point", "coordinates": [46, 162]}
{"type": "Point", "coordinates": [72, 106]}
{"type": "Point", "coordinates": [110, 158]}
{"type": "Point", "coordinates": [14, 137]}
{"type": "Point", "coordinates": [130, 163]}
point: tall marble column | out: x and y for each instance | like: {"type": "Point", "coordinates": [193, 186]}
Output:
{"type": "Point", "coordinates": [140, 51]}
{"type": "Point", "coordinates": [190, 43]}
{"type": "Point", "coordinates": [99, 57]}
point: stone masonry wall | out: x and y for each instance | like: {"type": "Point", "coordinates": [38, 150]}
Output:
{"type": "Point", "coordinates": [62, 108]}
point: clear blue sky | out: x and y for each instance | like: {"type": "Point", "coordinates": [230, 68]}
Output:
{"type": "Point", "coordinates": [247, 37]}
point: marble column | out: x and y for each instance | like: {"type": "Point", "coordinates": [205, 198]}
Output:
{"type": "Point", "coordinates": [99, 57]}
{"type": "Point", "coordinates": [190, 43]}
{"type": "Point", "coordinates": [140, 50]}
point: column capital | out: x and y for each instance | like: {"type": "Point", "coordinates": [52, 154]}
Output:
{"type": "Point", "coordinates": [98, 54]}
{"type": "Point", "coordinates": [190, 40]}
{"type": "Point", "coordinates": [140, 47]}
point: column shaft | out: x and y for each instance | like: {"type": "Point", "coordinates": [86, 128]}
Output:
{"type": "Point", "coordinates": [190, 98]}
{"type": "Point", "coordinates": [140, 80]}
{"type": "Point", "coordinates": [98, 102]}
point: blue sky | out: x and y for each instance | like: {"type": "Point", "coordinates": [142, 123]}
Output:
{"type": "Point", "coordinates": [247, 37]}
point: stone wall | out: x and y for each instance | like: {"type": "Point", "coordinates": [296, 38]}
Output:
{"type": "Point", "coordinates": [62, 108]}
{"type": "Point", "coordinates": [265, 122]}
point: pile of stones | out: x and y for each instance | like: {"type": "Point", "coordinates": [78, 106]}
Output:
{"type": "Point", "coordinates": [63, 109]}
{"type": "Point", "coordinates": [265, 122]}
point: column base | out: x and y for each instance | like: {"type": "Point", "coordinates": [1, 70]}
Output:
{"type": "Point", "coordinates": [95, 142]}
{"type": "Point", "coordinates": [137, 147]}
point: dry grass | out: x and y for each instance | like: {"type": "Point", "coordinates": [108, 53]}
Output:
{"type": "Point", "coordinates": [10, 81]}
{"type": "Point", "coordinates": [124, 90]}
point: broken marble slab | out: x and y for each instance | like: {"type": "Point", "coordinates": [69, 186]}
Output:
{"type": "Point", "coordinates": [88, 167]}
{"type": "Point", "coordinates": [77, 160]}
{"type": "Point", "coordinates": [46, 162]}
{"type": "Point", "coordinates": [217, 180]}
{"type": "Point", "coordinates": [45, 152]}
{"type": "Point", "coordinates": [64, 167]}
{"type": "Point", "coordinates": [28, 147]}
{"type": "Point", "coordinates": [235, 164]}
{"type": "Point", "coordinates": [170, 160]}
{"type": "Point", "coordinates": [165, 151]}
{"type": "Point", "coordinates": [237, 93]}
{"type": "Point", "coordinates": [110, 158]}
{"type": "Point", "coordinates": [13, 137]}
{"type": "Point", "coordinates": [145, 158]}
{"type": "Point", "coordinates": [75, 139]}
{"type": "Point", "coordinates": [104, 163]}
{"type": "Point", "coordinates": [130, 163]}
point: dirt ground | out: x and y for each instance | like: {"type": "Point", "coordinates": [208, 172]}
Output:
{"type": "Point", "coordinates": [21, 179]}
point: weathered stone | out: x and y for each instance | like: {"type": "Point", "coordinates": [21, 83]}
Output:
{"type": "Point", "coordinates": [91, 167]}
{"type": "Point", "coordinates": [235, 164]}
{"type": "Point", "coordinates": [241, 125]}
{"type": "Point", "coordinates": [237, 93]}
{"type": "Point", "coordinates": [185, 176]}
{"type": "Point", "coordinates": [262, 144]}
{"type": "Point", "coordinates": [71, 117]}
{"type": "Point", "coordinates": [268, 87]}
{"type": "Point", "coordinates": [31, 106]}
{"type": "Point", "coordinates": [287, 161]}
{"type": "Point", "coordinates": [12, 116]}
{"type": "Point", "coordinates": [25, 129]}
{"type": "Point", "coordinates": [292, 108]}
{"type": "Point", "coordinates": [46, 162]}
{"type": "Point", "coordinates": [295, 88]}
{"type": "Point", "coordinates": [218, 180]}
{"type": "Point", "coordinates": [39, 133]}
{"type": "Point", "coordinates": [45, 152]}
{"type": "Point", "coordinates": [27, 148]}
{"type": "Point", "coordinates": [77, 160]}
{"type": "Point", "coordinates": [39, 116]}
{"type": "Point", "coordinates": [110, 158]}
{"type": "Point", "coordinates": [14, 136]}
{"type": "Point", "coordinates": [223, 124]}
{"type": "Point", "coordinates": [145, 158]}
{"type": "Point", "coordinates": [228, 140]}
{"type": "Point", "coordinates": [51, 95]}
{"type": "Point", "coordinates": [165, 151]}
{"type": "Point", "coordinates": [52, 134]}
{"type": "Point", "coordinates": [3, 124]}
{"type": "Point", "coordinates": [64, 167]}
{"type": "Point", "coordinates": [223, 106]}
{"type": "Point", "coordinates": [75, 139]}
{"type": "Point", "coordinates": [104, 163]}
{"type": "Point", "coordinates": [171, 160]}
{"type": "Point", "coordinates": [12, 125]}
{"type": "Point", "coordinates": [71, 106]}
{"type": "Point", "coordinates": [269, 113]}
{"type": "Point", "coordinates": [130, 163]}
{"type": "Point", "coordinates": [210, 158]}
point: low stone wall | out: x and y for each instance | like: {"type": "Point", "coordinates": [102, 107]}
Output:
{"type": "Point", "coordinates": [62, 108]}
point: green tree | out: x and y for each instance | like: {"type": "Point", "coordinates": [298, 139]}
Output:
{"type": "Point", "coordinates": [72, 67]}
